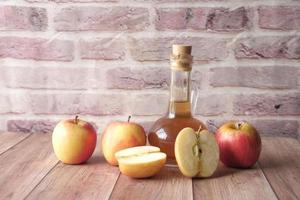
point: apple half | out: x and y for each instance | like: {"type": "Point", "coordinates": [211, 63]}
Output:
{"type": "Point", "coordinates": [196, 152]}
{"type": "Point", "coordinates": [141, 161]}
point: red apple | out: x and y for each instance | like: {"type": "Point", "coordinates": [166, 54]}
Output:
{"type": "Point", "coordinates": [74, 141]}
{"type": "Point", "coordinates": [121, 135]}
{"type": "Point", "coordinates": [239, 143]}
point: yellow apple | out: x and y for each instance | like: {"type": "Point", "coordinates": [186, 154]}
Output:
{"type": "Point", "coordinates": [74, 141]}
{"type": "Point", "coordinates": [121, 135]}
{"type": "Point", "coordinates": [141, 162]}
{"type": "Point", "coordinates": [197, 153]}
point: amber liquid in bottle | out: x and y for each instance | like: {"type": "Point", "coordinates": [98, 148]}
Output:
{"type": "Point", "coordinates": [164, 131]}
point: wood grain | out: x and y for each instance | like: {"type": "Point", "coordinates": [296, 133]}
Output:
{"type": "Point", "coordinates": [280, 161]}
{"type": "Point", "coordinates": [29, 169]}
{"type": "Point", "coordinates": [10, 139]}
{"type": "Point", "coordinates": [233, 184]}
{"type": "Point", "coordinates": [92, 180]}
{"type": "Point", "coordinates": [23, 166]}
{"type": "Point", "coordinates": [168, 184]}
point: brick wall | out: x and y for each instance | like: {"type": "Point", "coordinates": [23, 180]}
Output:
{"type": "Point", "coordinates": [106, 59]}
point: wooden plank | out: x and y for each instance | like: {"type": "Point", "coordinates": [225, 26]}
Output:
{"type": "Point", "coordinates": [280, 162]}
{"type": "Point", "coordinates": [92, 180]}
{"type": "Point", "coordinates": [237, 184]}
{"type": "Point", "coordinates": [10, 139]}
{"type": "Point", "coordinates": [23, 166]}
{"type": "Point", "coordinates": [168, 184]}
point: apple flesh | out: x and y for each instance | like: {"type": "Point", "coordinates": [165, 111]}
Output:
{"type": "Point", "coordinates": [136, 151]}
{"type": "Point", "coordinates": [240, 144]}
{"type": "Point", "coordinates": [141, 162]}
{"type": "Point", "coordinates": [74, 141]}
{"type": "Point", "coordinates": [197, 153]}
{"type": "Point", "coordinates": [121, 135]}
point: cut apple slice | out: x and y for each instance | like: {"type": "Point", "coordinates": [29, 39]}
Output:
{"type": "Point", "coordinates": [141, 162]}
{"type": "Point", "coordinates": [129, 152]}
{"type": "Point", "coordinates": [187, 159]}
{"type": "Point", "coordinates": [197, 153]}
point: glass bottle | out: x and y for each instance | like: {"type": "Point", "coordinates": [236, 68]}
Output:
{"type": "Point", "coordinates": [164, 131]}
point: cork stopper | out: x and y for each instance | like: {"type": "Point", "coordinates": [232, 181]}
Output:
{"type": "Point", "coordinates": [181, 58]}
{"type": "Point", "coordinates": [178, 49]}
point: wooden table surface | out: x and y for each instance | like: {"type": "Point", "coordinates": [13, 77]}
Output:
{"type": "Point", "coordinates": [30, 170]}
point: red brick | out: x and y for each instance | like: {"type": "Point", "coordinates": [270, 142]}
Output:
{"type": "Point", "coordinates": [149, 104]}
{"type": "Point", "coordinates": [52, 77]}
{"type": "Point", "coordinates": [2, 125]}
{"type": "Point", "coordinates": [265, 127]}
{"type": "Point", "coordinates": [102, 49]}
{"type": "Point", "coordinates": [101, 19]}
{"type": "Point", "coordinates": [209, 105]}
{"type": "Point", "coordinates": [157, 104]}
{"type": "Point", "coordinates": [147, 124]}
{"type": "Point", "coordinates": [36, 48]}
{"type": "Point", "coordinates": [268, 47]}
{"type": "Point", "coordinates": [71, 1]}
{"type": "Point", "coordinates": [159, 49]}
{"type": "Point", "coordinates": [273, 77]}
{"type": "Point", "coordinates": [127, 78]}
{"type": "Point", "coordinates": [196, 78]}
{"type": "Point", "coordinates": [6, 105]}
{"type": "Point", "coordinates": [276, 127]}
{"type": "Point", "coordinates": [31, 126]}
{"type": "Point", "coordinates": [262, 104]}
{"type": "Point", "coordinates": [23, 18]}
{"type": "Point", "coordinates": [13, 103]}
{"type": "Point", "coordinates": [2, 79]}
{"type": "Point", "coordinates": [36, 126]}
{"type": "Point", "coordinates": [181, 18]}
{"type": "Point", "coordinates": [147, 78]}
{"type": "Point", "coordinates": [171, 1]}
{"type": "Point", "coordinates": [279, 17]}
{"type": "Point", "coordinates": [226, 20]}
{"type": "Point", "coordinates": [214, 124]}
{"type": "Point", "coordinates": [77, 103]}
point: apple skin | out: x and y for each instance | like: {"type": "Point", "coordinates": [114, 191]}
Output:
{"type": "Point", "coordinates": [141, 161]}
{"type": "Point", "coordinates": [239, 143]}
{"type": "Point", "coordinates": [121, 135]}
{"type": "Point", "coordinates": [74, 141]}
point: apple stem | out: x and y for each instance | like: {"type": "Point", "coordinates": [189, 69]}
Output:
{"type": "Point", "coordinates": [238, 125]}
{"type": "Point", "coordinates": [76, 119]}
{"type": "Point", "coordinates": [199, 129]}
{"type": "Point", "coordinates": [129, 117]}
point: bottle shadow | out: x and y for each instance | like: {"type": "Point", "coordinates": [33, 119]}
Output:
{"type": "Point", "coordinates": [96, 160]}
{"type": "Point", "coordinates": [222, 171]}
{"type": "Point", "coordinates": [265, 163]}
{"type": "Point", "coordinates": [269, 162]}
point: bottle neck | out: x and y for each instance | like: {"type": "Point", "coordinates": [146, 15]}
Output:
{"type": "Point", "coordinates": [180, 105]}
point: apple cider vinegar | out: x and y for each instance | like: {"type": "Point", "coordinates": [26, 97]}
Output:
{"type": "Point", "coordinates": [165, 130]}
